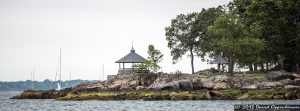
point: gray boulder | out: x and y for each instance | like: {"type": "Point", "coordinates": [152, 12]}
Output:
{"type": "Point", "coordinates": [219, 78]}
{"type": "Point", "coordinates": [264, 85]}
{"type": "Point", "coordinates": [295, 82]}
{"type": "Point", "coordinates": [197, 85]}
{"type": "Point", "coordinates": [185, 84]}
{"type": "Point", "coordinates": [221, 86]}
{"type": "Point", "coordinates": [279, 75]}
{"type": "Point", "coordinates": [289, 88]}
{"type": "Point", "coordinates": [168, 86]}
{"type": "Point", "coordinates": [207, 84]}
{"type": "Point", "coordinates": [140, 88]}
{"type": "Point", "coordinates": [89, 87]}
{"type": "Point", "coordinates": [250, 87]}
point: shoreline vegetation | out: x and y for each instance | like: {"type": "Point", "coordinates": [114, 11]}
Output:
{"type": "Point", "coordinates": [275, 85]}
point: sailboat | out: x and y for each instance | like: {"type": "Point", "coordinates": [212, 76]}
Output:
{"type": "Point", "coordinates": [60, 82]}
{"type": "Point", "coordinates": [58, 87]}
{"type": "Point", "coordinates": [32, 78]}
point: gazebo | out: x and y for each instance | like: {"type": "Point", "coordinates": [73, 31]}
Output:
{"type": "Point", "coordinates": [131, 58]}
{"type": "Point", "coordinates": [220, 61]}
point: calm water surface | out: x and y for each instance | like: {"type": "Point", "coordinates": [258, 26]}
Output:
{"type": "Point", "coordinates": [7, 104]}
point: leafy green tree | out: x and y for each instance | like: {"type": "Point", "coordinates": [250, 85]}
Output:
{"type": "Point", "coordinates": [279, 21]}
{"type": "Point", "coordinates": [232, 39]}
{"type": "Point", "coordinates": [155, 57]}
{"type": "Point", "coordinates": [204, 20]}
{"type": "Point", "coordinates": [143, 66]}
{"type": "Point", "coordinates": [180, 39]}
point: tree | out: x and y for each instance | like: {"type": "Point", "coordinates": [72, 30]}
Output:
{"type": "Point", "coordinates": [142, 67]}
{"type": "Point", "coordinates": [204, 20]}
{"type": "Point", "coordinates": [180, 39]}
{"type": "Point", "coordinates": [280, 27]}
{"type": "Point", "coordinates": [232, 39]}
{"type": "Point", "coordinates": [154, 57]}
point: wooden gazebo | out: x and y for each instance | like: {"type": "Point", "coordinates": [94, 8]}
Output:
{"type": "Point", "coordinates": [131, 58]}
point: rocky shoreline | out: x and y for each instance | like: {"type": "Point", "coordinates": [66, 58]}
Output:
{"type": "Point", "coordinates": [272, 85]}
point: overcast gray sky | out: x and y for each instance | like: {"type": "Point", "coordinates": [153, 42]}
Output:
{"type": "Point", "coordinates": [90, 32]}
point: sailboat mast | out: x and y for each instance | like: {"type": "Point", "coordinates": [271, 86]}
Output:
{"type": "Point", "coordinates": [70, 79]}
{"type": "Point", "coordinates": [32, 78]}
{"type": "Point", "coordinates": [60, 66]}
{"type": "Point", "coordinates": [31, 73]}
{"type": "Point", "coordinates": [103, 71]}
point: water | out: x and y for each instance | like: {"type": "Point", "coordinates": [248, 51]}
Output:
{"type": "Point", "coordinates": [7, 104]}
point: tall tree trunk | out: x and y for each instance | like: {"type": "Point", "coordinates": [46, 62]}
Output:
{"type": "Point", "coordinates": [297, 68]}
{"type": "Point", "coordinates": [250, 67]}
{"type": "Point", "coordinates": [192, 60]}
{"type": "Point", "coordinates": [255, 67]}
{"type": "Point", "coordinates": [262, 67]}
{"type": "Point", "coordinates": [267, 64]}
{"type": "Point", "coordinates": [231, 66]}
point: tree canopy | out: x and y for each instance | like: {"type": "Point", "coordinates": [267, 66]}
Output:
{"type": "Point", "coordinates": [248, 33]}
{"type": "Point", "coordinates": [154, 57]}
{"type": "Point", "coordinates": [230, 38]}
{"type": "Point", "coordinates": [180, 37]}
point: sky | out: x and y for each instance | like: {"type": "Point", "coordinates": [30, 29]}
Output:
{"type": "Point", "coordinates": [91, 34]}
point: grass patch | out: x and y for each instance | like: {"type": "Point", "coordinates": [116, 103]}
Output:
{"type": "Point", "coordinates": [232, 92]}
{"type": "Point", "coordinates": [261, 92]}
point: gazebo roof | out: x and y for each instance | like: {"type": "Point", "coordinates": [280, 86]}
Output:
{"type": "Point", "coordinates": [132, 57]}
{"type": "Point", "coordinates": [219, 60]}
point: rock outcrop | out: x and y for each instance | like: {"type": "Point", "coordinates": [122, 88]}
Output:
{"type": "Point", "coordinates": [279, 75]}
{"type": "Point", "coordinates": [278, 85]}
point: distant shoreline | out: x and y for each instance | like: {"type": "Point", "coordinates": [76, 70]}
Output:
{"type": "Point", "coordinates": [39, 85]}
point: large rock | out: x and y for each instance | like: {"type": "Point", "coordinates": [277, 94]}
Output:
{"type": "Point", "coordinates": [89, 87]}
{"type": "Point", "coordinates": [159, 83]}
{"type": "Point", "coordinates": [164, 86]}
{"type": "Point", "coordinates": [289, 88]}
{"type": "Point", "coordinates": [185, 84]}
{"type": "Point", "coordinates": [169, 86]}
{"type": "Point", "coordinates": [134, 83]}
{"type": "Point", "coordinates": [219, 78]}
{"type": "Point", "coordinates": [264, 85]}
{"type": "Point", "coordinates": [197, 85]}
{"type": "Point", "coordinates": [286, 81]}
{"type": "Point", "coordinates": [279, 75]}
{"type": "Point", "coordinates": [250, 87]}
{"type": "Point", "coordinates": [207, 84]}
{"type": "Point", "coordinates": [117, 85]}
{"type": "Point", "coordinates": [295, 82]}
{"type": "Point", "coordinates": [220, 86]}
{"type": "Point", "coordinates": [140, 88]}
{"type": "Point", "coordinates": [296, 75]}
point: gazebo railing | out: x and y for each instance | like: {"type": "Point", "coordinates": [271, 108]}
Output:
{"type": "Point", "coordinates": [132, 70]}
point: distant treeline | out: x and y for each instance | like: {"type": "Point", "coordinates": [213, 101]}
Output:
{"type": "Point", "coordinates": [45, 85]}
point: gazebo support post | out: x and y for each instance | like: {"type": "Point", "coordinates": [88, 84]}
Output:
{"type": "Point", "coordinates": [132, 68]}
{"type": "Point", "coordinates": [123, 67]}
{"type": "Point", "coordinates": [219, 68]}
{"type": "Point", "coordinates": [223, 68]}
